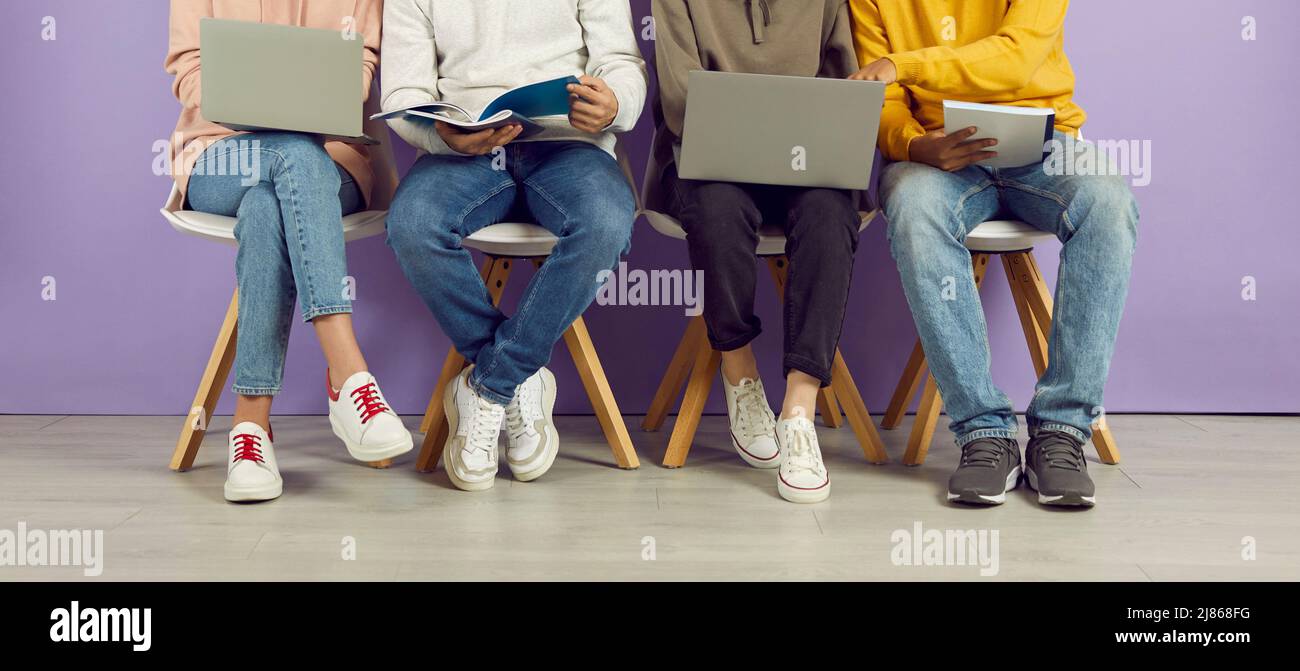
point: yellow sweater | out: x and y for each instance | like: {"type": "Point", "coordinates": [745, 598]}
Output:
{"type": "Point", "coordinates": [1008, 52]}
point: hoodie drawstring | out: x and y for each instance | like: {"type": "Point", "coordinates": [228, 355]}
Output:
{"type": "Point", "coordinates": [759, 27]}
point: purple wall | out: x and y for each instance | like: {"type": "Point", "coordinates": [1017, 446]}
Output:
{"type": "Point", "coordinates": [138, 304]}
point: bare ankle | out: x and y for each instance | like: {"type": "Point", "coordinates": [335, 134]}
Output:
{"type": "Point", "coordinates": [340, 375]}
{"type": "Point", "coordinates": [739, 365]}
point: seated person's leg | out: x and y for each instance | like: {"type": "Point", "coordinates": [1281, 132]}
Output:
{"type": "Point", "coordinates": [821, 238]}
{"type": "Point", "coordinates": [930, 211]}
{"type": "Point", "coordinates": [443, 199]}
{"type": "Point", "coordinates": [579, 193]}
{"type": "Point", "coordinates": [289, 198]}
{"type": "Point", "coordinates": [722, 222]}
{"type": "Point", "coordinates": [1095, 217]}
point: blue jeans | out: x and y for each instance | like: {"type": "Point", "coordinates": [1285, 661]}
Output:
{"type": "Point", "coordinates": [290, 235]}
{"type": "Point", "coordinates": [573, 189]}
{"type": "Point", "coordinates": [930, 211]}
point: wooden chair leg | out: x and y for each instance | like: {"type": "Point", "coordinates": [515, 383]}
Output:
{"type": "Point", "coordinates": [679, 369]}
{"type": "Point", "coordinates": [1023, 273]}
{"type": "Point", "coordinates": [913, 373]}
{"type": "Point", "coordinates": [452, 365]}
{"type": "Point", "coordinates": [495, 273]}
{"type": "Point", "coordinates": [1035, 337]}
{"type": "Point", "coordinates": [704, 370]}
{"type": "Point", "coordinates": [927, 413]}
{"type": "Point", "coordinates": [594, 381]}
{"type": "Point", "coordinates": [828, 406]}
{"type": "Point", "coordinates": [1102, 439]}
{"type": "Point", "coordinates": [210, 387]}
{"type": "Point", "coordinates": [1038, 297]}
{"type": "Point", "coordinates": [434, 425]}
{"type": "Point", "coordinates": [927, 417]}
{"type": "Point", "coordinates": [859, 418]}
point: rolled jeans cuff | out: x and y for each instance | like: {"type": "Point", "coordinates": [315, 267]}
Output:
{"type": "Point", "coordinates": [735, 343]}
{"type": "Point", "coordinates": [322, 311]}
{"type": "Point", "coordinates": [1035, 428]}
{"type": "Point", "coordinates": [255, 391]}
{"type": "Point", "coordinates": [795, 362]}
{"type": "Point", "coordinates": [985, 433]}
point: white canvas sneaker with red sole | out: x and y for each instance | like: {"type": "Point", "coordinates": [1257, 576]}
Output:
{"type": "Point", "coordinates": [251, 471]}
{"type": "Point", "coordinates": [363, 420]}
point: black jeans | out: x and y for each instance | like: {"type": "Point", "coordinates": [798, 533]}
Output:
{"type": "Point", "coordinates": [722, 222]}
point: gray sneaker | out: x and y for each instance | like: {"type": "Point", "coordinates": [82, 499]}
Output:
{"type": "Point", "coordinates": [1057, 470]}
{"type": "Point", "coordinates": [989, 468]}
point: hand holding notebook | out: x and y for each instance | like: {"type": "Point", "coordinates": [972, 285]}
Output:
{"type": "Point", "coordinates": [1022, 132]}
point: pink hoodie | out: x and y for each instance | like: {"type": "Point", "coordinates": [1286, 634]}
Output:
{"type": "Point", "coordinates": [194, 133]}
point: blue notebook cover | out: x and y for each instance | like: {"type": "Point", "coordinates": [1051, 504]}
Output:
{"type": "Point", "coordinates": [548, 98]}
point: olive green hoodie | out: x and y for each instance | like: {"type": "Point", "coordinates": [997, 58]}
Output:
{"type": "Point", "coordinates": [807, 38]}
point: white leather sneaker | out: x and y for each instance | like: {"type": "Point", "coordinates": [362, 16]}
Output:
{"type": "Point", "coordinates": [531, 439]}
{"type": "Point", "coordinates": [474, 427]}
{"type": "Point", "coordinates": [362, 419]}
{"type": "Point", "coordinates": [251, 472]}
{"type": "Point", "coordinates": [803, 477]}
{"type": "Point", "coordinates": [753, 426]}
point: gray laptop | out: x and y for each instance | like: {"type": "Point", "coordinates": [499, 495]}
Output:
{"type": "Point", "coordinates": [793, 131]}
{"type": "Point", "coordinates": [259, 76]}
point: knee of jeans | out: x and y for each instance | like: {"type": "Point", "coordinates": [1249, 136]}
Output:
{"type": "Point", "coordinates": [259, 216]}
{"type": "Point", "coordinates": [412, 225]}
{"type": "Point", "coordinates": [917, 234]}
{"type": "Point", "coordinates": [306, 157]}
{"type": "Point", "coordinates": [825, 217]}
{"type": "Point", "coordinates": [719, 213]}
{"type": "Point", "coordinates": [916, 203]}
{"type": "Point", "coordinates": [607, 236]}
{"type": "Point", "coordinates": [1105, 204]}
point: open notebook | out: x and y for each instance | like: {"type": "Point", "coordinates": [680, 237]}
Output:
{"type": "Point", "coordinates": [521, 105]}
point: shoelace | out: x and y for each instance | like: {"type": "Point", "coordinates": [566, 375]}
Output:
{"type": "Point", "coordinates": [484, 436]}
{"type": "Point", "coordinates": [982, 453]}
{"type": "Point", "coordinates": [248, 448]}
{"type": "Point", "coordinates": [1058, 450]}
{"type": "Point", "coordinates": [801, 453]}
{"type": "Point", "coordinates": [753, 416]}
{"type": "Point", "coordinates": [516, 422]}
{"type": "Point", "coordinates": [368, 402]}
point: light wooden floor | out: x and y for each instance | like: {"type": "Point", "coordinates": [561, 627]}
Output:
{"type": "Point", "coordinates": [1189, 490]}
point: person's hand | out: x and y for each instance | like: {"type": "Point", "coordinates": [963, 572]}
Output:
{"type": "Point", "coordinates": [950, 152]}
{"type": "Point", "coordinates": [592, 105]}
{"type": "Point", "coordinates": [882, 70]}
{"type": "Point", "coordinates": [480, 143]}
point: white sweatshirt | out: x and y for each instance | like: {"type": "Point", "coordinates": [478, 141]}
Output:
{"type": "Point", "coordinates": [468, 52]}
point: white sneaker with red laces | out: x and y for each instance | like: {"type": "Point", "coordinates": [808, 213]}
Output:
{"type": "Point", "coordinates": [251, 472]}
{"type": "Point", "coordinates": [362, 419]}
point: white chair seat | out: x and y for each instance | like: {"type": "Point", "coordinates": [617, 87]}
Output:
{"type": "Point", "coordinates": [509, 239]}
{"type": "Point", "coordinates": [997, 237]}
{"type": "Point", "coordinates": [222, 229]}
{"type": "Point", "coordinates": [771, 240]}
